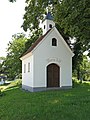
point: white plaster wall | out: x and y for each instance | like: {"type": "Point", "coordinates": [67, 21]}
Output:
{"type": "Point", "coordinates": [27, 77]}
{"type": "Point", "coordinates": [45, 54]}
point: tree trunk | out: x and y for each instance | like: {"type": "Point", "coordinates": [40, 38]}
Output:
{"type": "Point", "coordinates": [78, 73]}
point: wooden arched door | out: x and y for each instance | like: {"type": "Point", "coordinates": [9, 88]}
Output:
{"type": "Point", "coordinates": [53, 75]}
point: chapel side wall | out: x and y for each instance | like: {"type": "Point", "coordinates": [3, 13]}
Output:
{"type": "Point", "coordinates": [66, 72]}
{"type": "Point", "coordinates": [27, 77]}
{"type": "Point", "coordinates": [46, 54]}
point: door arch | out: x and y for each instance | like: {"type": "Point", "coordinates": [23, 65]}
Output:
{"type": "Point", "coordinates": [53, 75]}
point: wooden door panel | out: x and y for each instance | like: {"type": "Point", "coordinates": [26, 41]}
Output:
{"type": "Point", "coordinates": [53, 75]}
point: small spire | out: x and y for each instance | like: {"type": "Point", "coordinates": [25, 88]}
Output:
{"type": "Point", "coordinates": [49, 16]}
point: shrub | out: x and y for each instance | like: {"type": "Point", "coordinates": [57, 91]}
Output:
{"type": "Point", "coordinates": [75, 82]}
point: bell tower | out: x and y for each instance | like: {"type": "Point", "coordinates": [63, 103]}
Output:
{"type": "Point", "coordinates": [47, 23]}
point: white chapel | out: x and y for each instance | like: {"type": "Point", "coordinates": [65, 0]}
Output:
{"type": "Point", "coordinates": [47, 64]}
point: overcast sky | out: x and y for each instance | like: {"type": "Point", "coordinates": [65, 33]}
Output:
{"type": "Point", "coordinates": [11, 19]}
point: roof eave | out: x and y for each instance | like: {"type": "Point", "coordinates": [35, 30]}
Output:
{"type": "Point", "coordinates": [26, 56]}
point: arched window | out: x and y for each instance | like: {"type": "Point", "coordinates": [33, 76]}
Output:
{"type": "Point", "coordinates": [50, 25]}
{"type": "Point", "coordinates": [24, 68]}
{"type": "Point", "coordinates": [54, 42]}
{"type": "Point", "coordinates": [28, 67]}
{"type": "Point", "coordinates": [44, 26]}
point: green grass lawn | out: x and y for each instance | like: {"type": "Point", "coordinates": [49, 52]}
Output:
{"type": "Point", "coordinates": [73, 104]}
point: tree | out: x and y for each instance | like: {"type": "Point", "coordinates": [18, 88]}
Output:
{"type": "Point", "coordinates": [2, 59]}
{"type": "Point", "coordinates": [14, 51]}
{"type": "Point", "coordinates": [2, 72]}
{"type": "Point", "coordinates": [82, 72]}
{"type": "Point", "coordinates": [34, 13]}
{"type": "Point", "coordinates": [72, 17]}
{"type": "Point", "coordinates": [85, 69]}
